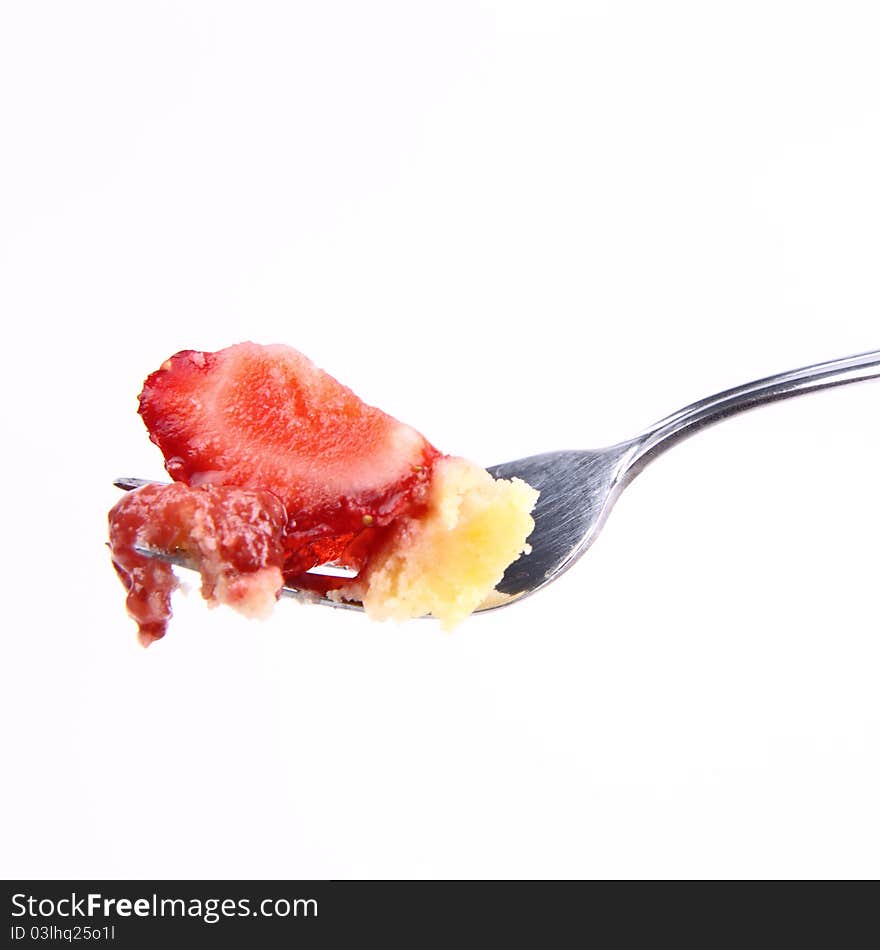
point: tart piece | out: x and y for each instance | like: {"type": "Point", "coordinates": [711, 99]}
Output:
{"type": "Point", "coordinates": [279, 468]}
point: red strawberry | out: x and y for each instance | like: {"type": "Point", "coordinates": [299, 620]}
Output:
{"type": "Point", "coordinates": [265, 417]}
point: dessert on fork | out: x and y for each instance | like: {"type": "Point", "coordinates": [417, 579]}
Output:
{"type": "Point", "coordinates": [279, 469]}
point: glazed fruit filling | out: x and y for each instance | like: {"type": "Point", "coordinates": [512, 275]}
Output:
{"type": "Point", "coordinates": [233, 535]}
{"type": "Point", "coordinates": [279, 468]}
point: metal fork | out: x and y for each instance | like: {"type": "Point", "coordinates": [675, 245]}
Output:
{"type": "Point", "coordinates": [578, 488]}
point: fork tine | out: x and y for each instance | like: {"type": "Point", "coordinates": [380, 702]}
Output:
{"type": "Point", "coordinates": [179, 559]}
{"type": "Point", "coordinates": [305, 596]}
{"type": "Point", "coordinates": [127, 483]}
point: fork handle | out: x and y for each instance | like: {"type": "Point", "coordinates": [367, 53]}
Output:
{"type": "Point", "coordinates": [673, 429]}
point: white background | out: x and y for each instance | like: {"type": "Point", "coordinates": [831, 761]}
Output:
{"type": "Point", "coordinates": [518, 226]}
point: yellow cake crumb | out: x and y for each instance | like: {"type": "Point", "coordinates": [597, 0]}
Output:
{"type": "Point", "coordinates": [253, 594]}
{"type": "Point", "coordinates": [447, 561]}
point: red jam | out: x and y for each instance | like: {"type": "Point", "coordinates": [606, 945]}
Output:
{"type": "Point", "coordinates": [232, 535]}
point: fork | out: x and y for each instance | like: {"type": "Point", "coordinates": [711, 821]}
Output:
{"type": "Point", "coordinates": [579, 487]}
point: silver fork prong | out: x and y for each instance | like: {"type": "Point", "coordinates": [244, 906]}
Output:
{"type": "Point", "coordinates": [127, 483]}
{"type": "Point", "coordinates": [179, 559]}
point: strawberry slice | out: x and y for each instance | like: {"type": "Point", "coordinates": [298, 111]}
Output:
{"type": "Point", "coordinates": [266, 418]}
